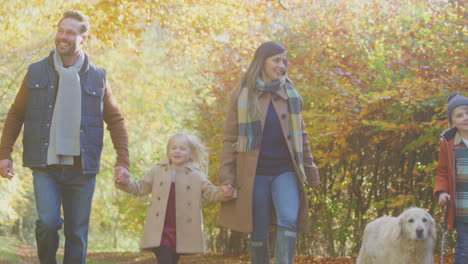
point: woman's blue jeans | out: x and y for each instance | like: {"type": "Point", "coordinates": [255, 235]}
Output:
{"type": "Point", "coordinates": [283, 190]}
{"type": "Point", "coordinates": [56, 188]}
{"type": "Point", "coordinates": [461, 250]}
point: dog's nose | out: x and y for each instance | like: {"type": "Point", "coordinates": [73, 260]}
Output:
{"type": "Point", "coordinates": [419, 232]}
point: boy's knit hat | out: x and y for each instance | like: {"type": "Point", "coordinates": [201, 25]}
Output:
{"type": "Point", "coordinates": [453, 101]}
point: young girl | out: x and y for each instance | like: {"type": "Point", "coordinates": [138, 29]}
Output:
{"type": "Point", "coordinates": [174, 223]}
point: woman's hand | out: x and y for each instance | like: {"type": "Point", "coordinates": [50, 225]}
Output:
{"type": "Point", "coordinates": [229, 191]}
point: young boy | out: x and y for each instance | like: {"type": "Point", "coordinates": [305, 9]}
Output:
{"type": "Point", "coordinates": [452, 172]}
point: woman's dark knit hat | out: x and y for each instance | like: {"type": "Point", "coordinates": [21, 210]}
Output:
{"type": "Point", "coordinates": [453, 101]}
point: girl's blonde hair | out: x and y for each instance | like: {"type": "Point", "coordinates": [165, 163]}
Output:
{"type": "Point", "coordinates": [198, 149]}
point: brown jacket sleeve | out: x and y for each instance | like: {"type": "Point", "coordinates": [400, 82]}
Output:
{"type": "Point", "coordinates": [14, 121]}
{"type": "Point", "coordinates": [116, 126]}
{"type": "Point", "coordinates": [442, 182]}
{"type": "Point", "coordinates": [310, 169]}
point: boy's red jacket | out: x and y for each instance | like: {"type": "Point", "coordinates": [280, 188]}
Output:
{"type": "Point", "coordinates": [445, 179]}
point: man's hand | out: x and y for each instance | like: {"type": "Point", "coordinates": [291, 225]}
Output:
{"type": "Point", "coordinates": [121, 175]}
{"type": "Point", "coordinates": [6, 169]}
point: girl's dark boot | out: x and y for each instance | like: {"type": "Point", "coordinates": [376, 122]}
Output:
{"type": "Point", "coordinates": [260, 252]}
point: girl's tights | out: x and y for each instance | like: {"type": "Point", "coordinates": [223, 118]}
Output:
{"type": "Point", "coordinates": [164, 255]}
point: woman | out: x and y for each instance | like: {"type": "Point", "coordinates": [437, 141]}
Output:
{"type": "Point", "coordinates": [266, 156]}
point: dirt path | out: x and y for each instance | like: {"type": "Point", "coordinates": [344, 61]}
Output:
{"type": "Point", "coordinates": [27, 254]}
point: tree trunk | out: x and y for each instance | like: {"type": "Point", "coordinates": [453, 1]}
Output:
{"type": "Point", "coordinates": [116, 230]}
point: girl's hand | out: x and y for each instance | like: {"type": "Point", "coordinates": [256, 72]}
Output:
{"type": "Point", "coordinates": [228, 190]}
{"type": "Point", "coordinates": [121, 175]}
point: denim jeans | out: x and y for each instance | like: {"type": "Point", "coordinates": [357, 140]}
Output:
{"type": "Point", "coordinates": [70, 189]}
{"type": "Point", "coordinates": [283, 190]}
{"type": "Point", "coordinates": [461, 249]}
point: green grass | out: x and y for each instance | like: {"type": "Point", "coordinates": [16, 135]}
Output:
{"type": "Point", "coordinates": [7, 254]}
{"type": "Point", "coordinates": [6, 250]}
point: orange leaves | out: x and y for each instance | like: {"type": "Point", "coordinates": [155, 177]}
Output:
{"type": "Point", "coordinates": [27, 254]}
{"type": "Point", "coordinates": [373, 74]}
{"type": "Point", "coordinates": [400, 201]}
{"type": "Point", "coordinates": [322, 260]}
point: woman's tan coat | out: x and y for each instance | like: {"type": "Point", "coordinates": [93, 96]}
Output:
{"type": "Point", "coordinates": [238, 168]}
{"type": "Point", "coordinates": [191, 185]}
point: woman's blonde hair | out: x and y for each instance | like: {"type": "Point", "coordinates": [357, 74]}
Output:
{"type": "Point", "coordinates": [263, 52]}
{"type": "Point", "coordinates": [198, 150]}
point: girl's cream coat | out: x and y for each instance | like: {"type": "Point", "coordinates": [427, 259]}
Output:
{"type": "Point", "coordinates": [191, 185]}
{"type": "Point", "coordinates": [238, 168]}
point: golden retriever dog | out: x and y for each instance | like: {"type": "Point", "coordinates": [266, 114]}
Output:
{"type": "Point", "coordinates": [406, 239]}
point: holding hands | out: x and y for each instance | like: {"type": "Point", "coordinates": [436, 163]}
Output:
{"type": "Point", "coordinates": [6, 169]}
{"type": "Point", "coordinates": [121, 175]}
{"type": "Point", "coordinates": [229, 191]}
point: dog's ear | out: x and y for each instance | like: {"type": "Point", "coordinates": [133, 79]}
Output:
{"type": "Point", "coordinates": [432, 227]}
{"type": "Point", "coordinates": [398, 230]}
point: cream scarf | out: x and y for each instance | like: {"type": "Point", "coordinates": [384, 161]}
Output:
{"type": "Point", "coordinates": [66, 120]}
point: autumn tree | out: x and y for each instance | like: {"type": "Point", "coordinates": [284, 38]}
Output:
{"type": "Point", "coordinates": [374, 76]}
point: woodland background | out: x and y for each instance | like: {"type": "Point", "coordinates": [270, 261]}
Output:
{"type": "Point", "coordinates": [374, 76]}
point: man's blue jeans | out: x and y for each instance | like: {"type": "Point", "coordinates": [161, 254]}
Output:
{"type": "Point", "coordinates": [68, 188]}
{"type": "Point", "coordinates": [461, 250]}
{"type": "Point", "coordinates": [283, 190]}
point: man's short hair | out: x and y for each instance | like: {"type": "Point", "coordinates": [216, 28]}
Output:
{"type": "Point", "coordinates": [80, 17]}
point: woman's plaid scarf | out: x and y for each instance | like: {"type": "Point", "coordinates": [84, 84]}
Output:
{"type": "Point", "coordinates": [250, 127]}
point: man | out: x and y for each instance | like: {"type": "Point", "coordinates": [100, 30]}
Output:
{"type": "Point", "coordinates": [63, 102]}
